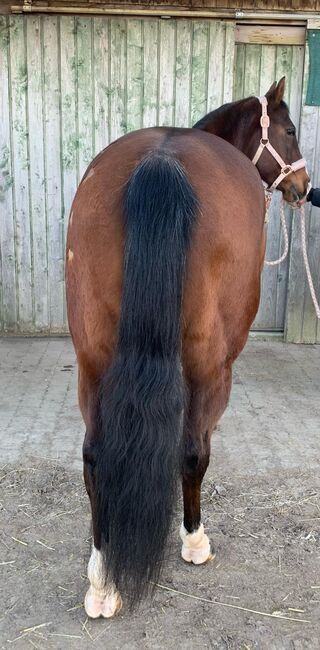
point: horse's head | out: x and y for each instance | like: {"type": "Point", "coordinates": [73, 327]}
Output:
{"type": "Point", "coordinates": [264, 132]}
{"type": "Point", "coordinates": [273, 146]}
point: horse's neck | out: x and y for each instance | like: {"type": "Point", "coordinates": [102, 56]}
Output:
{"type": "Point", "coordinates": [232, 122]}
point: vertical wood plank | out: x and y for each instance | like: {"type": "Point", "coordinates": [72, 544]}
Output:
{"type": "Point", "coordinates": [69, 136]}
{"type": "Point", "coordinates": [183, 73]}
{"type": "Point", "coordinates": [267, 68]}
{"type": "Point", "coordinates": [118, 86]}
{"type": "Point", "coordinates": [52, 146]}
{"type": "Point", "coordinates": [23, 241]}
{"type": "Point", "coordinates": [101, 81]}
{"type": "Point", "coordinates": [150, 72]}
{"type": "Point", "coordinates": [240, 72]}
{"type": "Point", "coordinates": [166, 73]}
{"type": "Point", "coordinates": [85, 94]}
{"type": "Point", "coordinates": [296, 81]}
{"type": "Point", "coordinates": [229, 58]}
{"type": "Point", "coordinates": [271, 275]}
{"type": "Point", "coordinates": [37, 172]}
{"type": "Point", "coordinates": [134, 75]}
{"type": "Point", "coordinates": [216, 76]}
{"type": "Point", "coordinates": [252, 69]}
{"type": "Point", "coordinates": [296, 282]}
{"type": "Point", "coordinates": [199, 70]}
{"type": "Point", "coordinates": [8, 315]}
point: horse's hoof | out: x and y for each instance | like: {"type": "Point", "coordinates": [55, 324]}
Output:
{"type": "Point", "coordinates": [98, 603]}
{"type": "Point", "coordinates": [196, 546]}
{"type": "Point", "coordinates": [197, 556]}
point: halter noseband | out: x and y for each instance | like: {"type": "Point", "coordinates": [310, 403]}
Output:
{"type": "Point", "coordinates": [265, 144]}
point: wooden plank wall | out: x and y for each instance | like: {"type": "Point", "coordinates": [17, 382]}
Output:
{"type": "Point", "coordinates": [302, 325]}
{"type": "Point", "coordinates": [257, 66]}
{"type": "Point", "coordinates": [68, 87]}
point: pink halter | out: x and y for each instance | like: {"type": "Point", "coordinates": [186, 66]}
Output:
{"type": "Point", "coordinates": [265, 144]}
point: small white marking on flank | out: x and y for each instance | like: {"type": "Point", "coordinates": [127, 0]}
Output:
{"type": "Point", "coordinates": [89, 175]}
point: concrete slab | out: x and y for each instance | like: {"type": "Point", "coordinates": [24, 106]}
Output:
{"type": "Point", "coordinates": [272, 422]}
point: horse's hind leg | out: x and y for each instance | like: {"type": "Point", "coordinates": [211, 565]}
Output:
{"type": "Point", "coordinates": [206, 405]}
{"type": "Point", "coordinates": [102, 598]}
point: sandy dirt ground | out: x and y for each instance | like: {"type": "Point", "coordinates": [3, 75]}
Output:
{"type": "Point", "coordinates": [261, 508]}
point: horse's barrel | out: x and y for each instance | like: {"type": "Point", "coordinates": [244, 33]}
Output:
{"type": "Point", "coordinates": [314, 196]}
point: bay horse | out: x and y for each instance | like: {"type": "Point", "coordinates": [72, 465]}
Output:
{"type": "Point", "coordinates": [165, 248]}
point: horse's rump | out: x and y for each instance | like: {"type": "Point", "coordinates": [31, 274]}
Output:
{"type": "Point", "coordinates": [227, 238]}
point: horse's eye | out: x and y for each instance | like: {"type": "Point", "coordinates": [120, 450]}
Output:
{"type": "Point", "coordinates": [291, 130]}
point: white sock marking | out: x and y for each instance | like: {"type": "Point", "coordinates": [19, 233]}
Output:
{"type": "Point", "coordinates": [101, 599]}
{"type": "Point", "coordinates": [195, 546]}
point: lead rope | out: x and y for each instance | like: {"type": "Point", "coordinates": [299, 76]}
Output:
{"type": "Point", "coordinates": [286, 248]}
{"type": "Point", "coordinates": [285, 235]}
{"type": "Point", "coordinates": [306, 261]}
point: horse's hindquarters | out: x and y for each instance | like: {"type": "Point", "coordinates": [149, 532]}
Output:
{"type": "Point", "coordinates": [220, 298]}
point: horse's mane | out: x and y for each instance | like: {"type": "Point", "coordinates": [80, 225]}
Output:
{"type": "Point", "coordinates": [232, 109]}
{"type": "Point", "coordinates": [221, 112]}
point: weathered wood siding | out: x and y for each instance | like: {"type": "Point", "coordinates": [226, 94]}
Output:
{"type": "Point", "coordinates": [302, 325]}
{"type": "Point", "coordinates": [257, 66]}
{"type": "Point", "coordinates": [68, 87]}
{"type": "Point", "coordinates": [71, 85]}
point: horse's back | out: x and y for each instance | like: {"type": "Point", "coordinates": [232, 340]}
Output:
{"type": "Point", "coordinates": [223, 266]}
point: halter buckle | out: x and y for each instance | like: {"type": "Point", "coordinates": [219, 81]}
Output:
{"type": "Point", "coordinates": [286, 170]}
{"type": "Point", "coordinates": [265, 121]}
{"type": "Point", "coordinates": [264, 141]}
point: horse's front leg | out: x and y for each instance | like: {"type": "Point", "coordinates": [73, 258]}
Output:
{"type": "Point", "coordinates": [102, 597]}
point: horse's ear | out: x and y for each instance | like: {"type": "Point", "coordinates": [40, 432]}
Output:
{"type": "Point", "coordinates": [276, 91]}
{"type": "Point", "coordinates": [271, 90]}
{"type": "Point", "coordinates": [279, 92]}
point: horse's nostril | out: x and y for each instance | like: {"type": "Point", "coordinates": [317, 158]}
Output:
{"type": "Point", "coordinates": [295, 193]}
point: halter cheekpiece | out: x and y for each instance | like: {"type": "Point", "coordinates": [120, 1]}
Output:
{"type": "Point", "coordinates": [265, 144]}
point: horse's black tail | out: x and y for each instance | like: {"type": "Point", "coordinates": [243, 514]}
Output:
{"type": "Point", "coordinates": [142, 394]}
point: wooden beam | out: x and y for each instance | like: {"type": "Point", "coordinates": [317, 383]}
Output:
{"type": "Point", "coordinates": [314, 23]}
{"type": "Point", "coordinates": [271, 34]}
{"type": "Point", "coordinates": [240, 15]}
